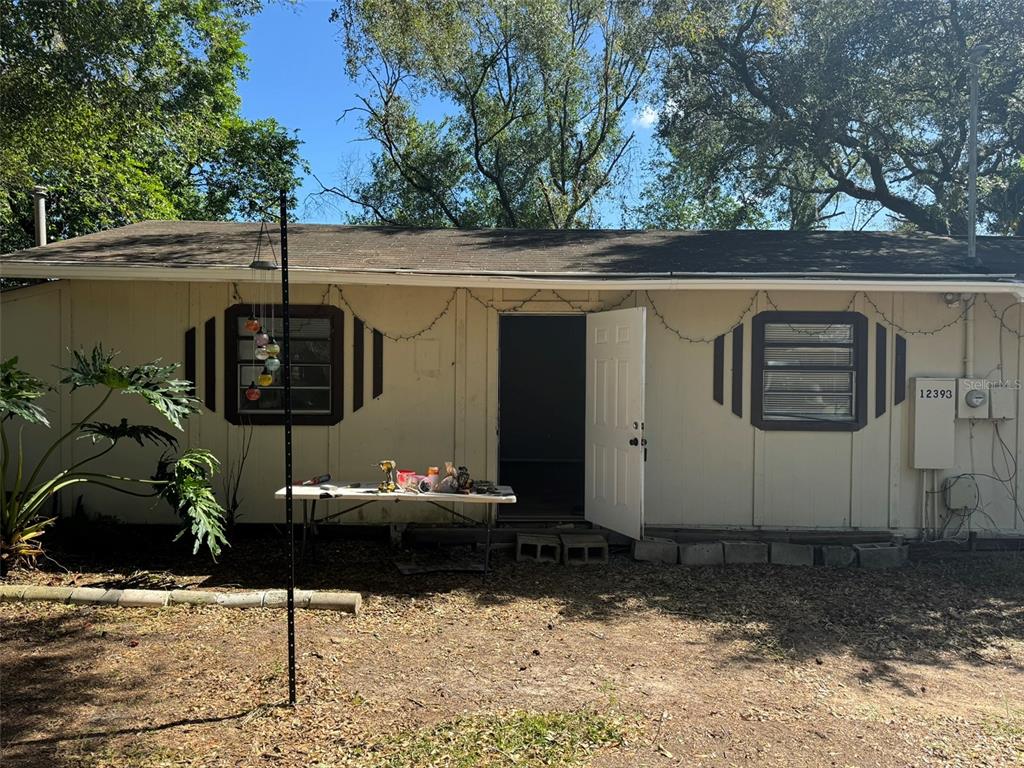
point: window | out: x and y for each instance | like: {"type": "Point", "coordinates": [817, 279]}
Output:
{"type": "Point", "coordinates": [316, 333]}
{"type": "Point", "coordinates": [809, 371]}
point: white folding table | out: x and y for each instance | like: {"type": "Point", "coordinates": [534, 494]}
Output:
{"type": "Point", "coordinates": [361, 494]}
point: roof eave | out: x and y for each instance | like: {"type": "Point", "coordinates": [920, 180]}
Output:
{"type": "Point", "coordinates": [522, 280]}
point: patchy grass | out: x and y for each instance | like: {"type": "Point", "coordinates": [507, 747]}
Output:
{"type": "Point", "coordinates": [518, 738]}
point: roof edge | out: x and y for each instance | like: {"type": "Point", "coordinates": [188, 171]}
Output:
{"type": "Point", "coordinates": [722, 281]}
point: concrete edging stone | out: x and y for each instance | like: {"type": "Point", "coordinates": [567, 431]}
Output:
{"type": "Point", "coordinates": [348, 602]}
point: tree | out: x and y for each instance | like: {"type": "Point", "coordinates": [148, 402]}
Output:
{"type": "Point", "coordinates": [536, 92]}
{"type": "Point", "coordinates": [804, 108]}
{"type": "Point", "coordinates": [183, 480]}
{"type": "Point", "coordinates": [127, 110]}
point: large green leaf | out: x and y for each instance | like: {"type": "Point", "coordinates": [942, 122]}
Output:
{"type": "Point", "coordinates": [151, 381]}
{"type": "Point", "coordinates": [140, 433]}
{"type": "Point", "coordinates": [188, 491]}
{"type": "Point", "coordinates": [18, 390]}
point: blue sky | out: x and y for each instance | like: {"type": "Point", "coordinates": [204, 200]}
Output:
{"type": "Point", "coordinates": [297, 75]}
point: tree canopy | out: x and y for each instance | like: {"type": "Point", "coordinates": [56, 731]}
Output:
{"type": "Point", "coordinates": [127, 110]}
{"type": "Point", "coordinates": [536, 94]}
{"type": "Point", "coordinates": [792, 111]}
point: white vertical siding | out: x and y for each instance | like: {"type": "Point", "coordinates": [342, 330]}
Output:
{"type": "Point", "coordinates": [706, 466]}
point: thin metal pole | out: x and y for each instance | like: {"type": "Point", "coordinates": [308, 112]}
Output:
{"type": "Point", "coordinates": [286, 367]}
{"type": "Point", "coordinates": [972, 160]}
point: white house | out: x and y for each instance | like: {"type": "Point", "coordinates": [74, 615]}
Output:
{"type": "Point", "coordinates": [690, 380]}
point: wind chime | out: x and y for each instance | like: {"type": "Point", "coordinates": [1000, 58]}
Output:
{"type": "Point", "coordinates": [265, 346]}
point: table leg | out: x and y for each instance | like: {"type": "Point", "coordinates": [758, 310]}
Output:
{"type": "Point", "coordinates": [314, 532]}
{"type": "Point", "coordinates": [487, 541]}
{"type": "Point", "coordinates": [305, 527]}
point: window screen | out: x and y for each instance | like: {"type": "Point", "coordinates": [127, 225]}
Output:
{"type": "Point", "coordinates": [808, 370]}
{"type": "Point", "coordinates": [315, 367]}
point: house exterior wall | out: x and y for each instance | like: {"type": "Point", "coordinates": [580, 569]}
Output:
{"type": "Point", "coordinates": [707, 467]}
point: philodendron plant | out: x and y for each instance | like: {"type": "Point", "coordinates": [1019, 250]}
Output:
{"type": "Point", "coordinates": [183, 480]}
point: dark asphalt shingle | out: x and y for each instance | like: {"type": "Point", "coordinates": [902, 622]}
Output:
{"type": "Point", "coordinates": [599, 253]}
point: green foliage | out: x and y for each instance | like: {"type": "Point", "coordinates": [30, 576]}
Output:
{"type": "Point", "coordinates": [802, 108]}
{"type": "Point", "coordinates": [18, 390]}
{"type": "Point", "coordinates": [128, 110]}
{"type": "Point", "coordinates": [140, 433]}
{"type": "Point", "coordinates": [538, 92]}
{"type": "Point", "coordinates": [186, 487]}
{"type": "Point", "coordinates": [672, 199]}
{"type": "Point", "coordinates": [151, 381]}
{"type": "Point", "coordinates": [183, 481]}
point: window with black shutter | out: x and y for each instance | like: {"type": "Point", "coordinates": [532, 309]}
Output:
{"type": "Point", "coordinates": [316, 333]}
{"type": "Point", "coordinates": [809, 371]}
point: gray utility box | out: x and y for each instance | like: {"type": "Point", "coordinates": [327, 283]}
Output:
{"type": "Point", "coordinates": [1003, 402]}
{"type": "Point", "coordinates": [934, 416]}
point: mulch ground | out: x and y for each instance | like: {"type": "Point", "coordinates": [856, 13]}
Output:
{"type": "Point", "coordinates": [755, 665]}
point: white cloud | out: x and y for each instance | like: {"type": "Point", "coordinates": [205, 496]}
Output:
{"type": "Point", "coordinates": [646, 118]}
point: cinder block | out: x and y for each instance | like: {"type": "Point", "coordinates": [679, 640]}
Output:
{"type": "Point", "coordinates": [143, 598]}
{"type": "Point", "coordinates": [745, 552]}
{"type": "Point", "coordinates": [47, 594]}
{"type": "Point", "coordinates": [540, 548]}
{"type": "Point", "coordinates": [708, 553]}
{"type": "Point", "coordinates": [792, 554]}
{"type": "Point", "coordinates": [838, 556]}
{"type": "Point", "coordinates": [584, 549]}
{"type": "Point", "coordinates": [656, 551]}
{"type": "Point", "coordinates": [240, 599]}
{"type": "Point", "coordinates": [881, 555]}
{"type": "Point", "coordinates": [191, 597]}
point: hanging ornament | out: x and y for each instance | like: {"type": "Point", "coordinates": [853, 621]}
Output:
{"type": "Point", "coordinates": [252, 393]}
{"type": "Point", "coordinates": [272, 364]}
{"type": "Point", "coordinates": [252, 324]}
{"type": "Point", "coordinates": [265, 379]}
{"type": "Point", "coordinates": [261, 339]}
{"type": "Point", "coordinates": [261, 353]}
{"type": "Point", "coordinates": [273, 348]}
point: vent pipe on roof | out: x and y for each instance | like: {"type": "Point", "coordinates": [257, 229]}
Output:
{"type": "Point", "coordinates": [39, 213]}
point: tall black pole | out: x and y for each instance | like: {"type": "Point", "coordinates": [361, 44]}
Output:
{"type": "Point", "coordinates": [286, 367]}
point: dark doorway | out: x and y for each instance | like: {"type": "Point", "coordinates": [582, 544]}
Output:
{"type": "Point", "coordinates": [542, 413]}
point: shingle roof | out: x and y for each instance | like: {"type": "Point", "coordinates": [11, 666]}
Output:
{"type": "Point", "coordinates": [594, 253]}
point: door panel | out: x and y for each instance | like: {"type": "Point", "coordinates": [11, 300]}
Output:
{"type": "Point", "coordinates": [615, 416]}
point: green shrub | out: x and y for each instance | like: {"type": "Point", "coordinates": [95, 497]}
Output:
{"type": "Point", "coordinates": [183, 480]}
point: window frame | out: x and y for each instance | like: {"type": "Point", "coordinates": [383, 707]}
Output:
{"type": "Point", "coordinates": [231, 385]}
{"type": "Point", "coordinates": [858, 322]}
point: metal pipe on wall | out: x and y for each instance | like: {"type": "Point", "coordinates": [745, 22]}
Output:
{"type": "Point", "coordinates": [969, 336]}
{"type": "Point", "coordinates": [39, 213]}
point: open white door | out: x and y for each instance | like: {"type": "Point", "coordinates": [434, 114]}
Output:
{"type": "Point", "coordinates": [616, 342]}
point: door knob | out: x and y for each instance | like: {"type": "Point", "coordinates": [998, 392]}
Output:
{"type": "Point", "coordinates": [634, 441]}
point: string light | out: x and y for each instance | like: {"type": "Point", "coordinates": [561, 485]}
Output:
{"type": "Point", "coordinates": [402, 336]}
{"type": "Point", "coordinates": [918, 332]}
{"type": "Point", "coordinates": [698, 339]}
{"type": "Point", "coordinates": [271, 349]}
{"type": "Point", "coordinates": [1001, 316]}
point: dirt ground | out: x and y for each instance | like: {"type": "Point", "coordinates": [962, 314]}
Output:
{"type": "Point", "coordinates": [758, 665]}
